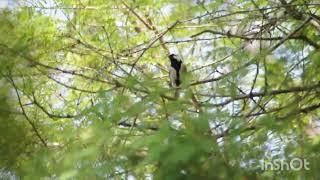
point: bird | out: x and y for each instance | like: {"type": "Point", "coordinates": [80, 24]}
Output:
{"type": "Point", "coordinates": [177, 73]}
{"type": "Point", "coordinates": [176, 70]}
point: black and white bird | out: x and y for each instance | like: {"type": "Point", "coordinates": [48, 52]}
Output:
{"type": "Point", "coordinates": [176, 70]}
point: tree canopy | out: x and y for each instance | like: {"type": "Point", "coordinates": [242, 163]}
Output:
{"type": "Point", "coordinates": [85, 89]}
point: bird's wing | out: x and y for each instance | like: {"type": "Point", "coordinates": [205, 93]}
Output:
{"type": "Point", "coordinates": [172, 76]}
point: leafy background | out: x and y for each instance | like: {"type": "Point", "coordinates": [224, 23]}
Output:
{"type": "Point", "coordinates": [85, 91]}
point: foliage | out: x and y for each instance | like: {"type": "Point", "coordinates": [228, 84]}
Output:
{"type": "Point", "coordinates": [85, 91]}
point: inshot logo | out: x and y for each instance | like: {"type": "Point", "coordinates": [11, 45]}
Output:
{"type": "Point", "coordinates": [295, 164]}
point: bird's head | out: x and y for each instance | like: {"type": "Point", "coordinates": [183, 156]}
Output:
{"type": "Point", "coordinates": [174, 58]}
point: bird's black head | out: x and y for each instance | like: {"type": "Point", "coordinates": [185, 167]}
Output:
{"type": "Point", "coordinates": [174, 59]}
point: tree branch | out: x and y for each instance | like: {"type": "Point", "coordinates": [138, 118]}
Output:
{"type": "Point", "coordinates": [25, 114]}
{"type": "Point", "coordinates": [297, 89]}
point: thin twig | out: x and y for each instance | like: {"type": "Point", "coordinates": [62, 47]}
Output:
{"type": "Point", "coordinates": [24, 112]}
